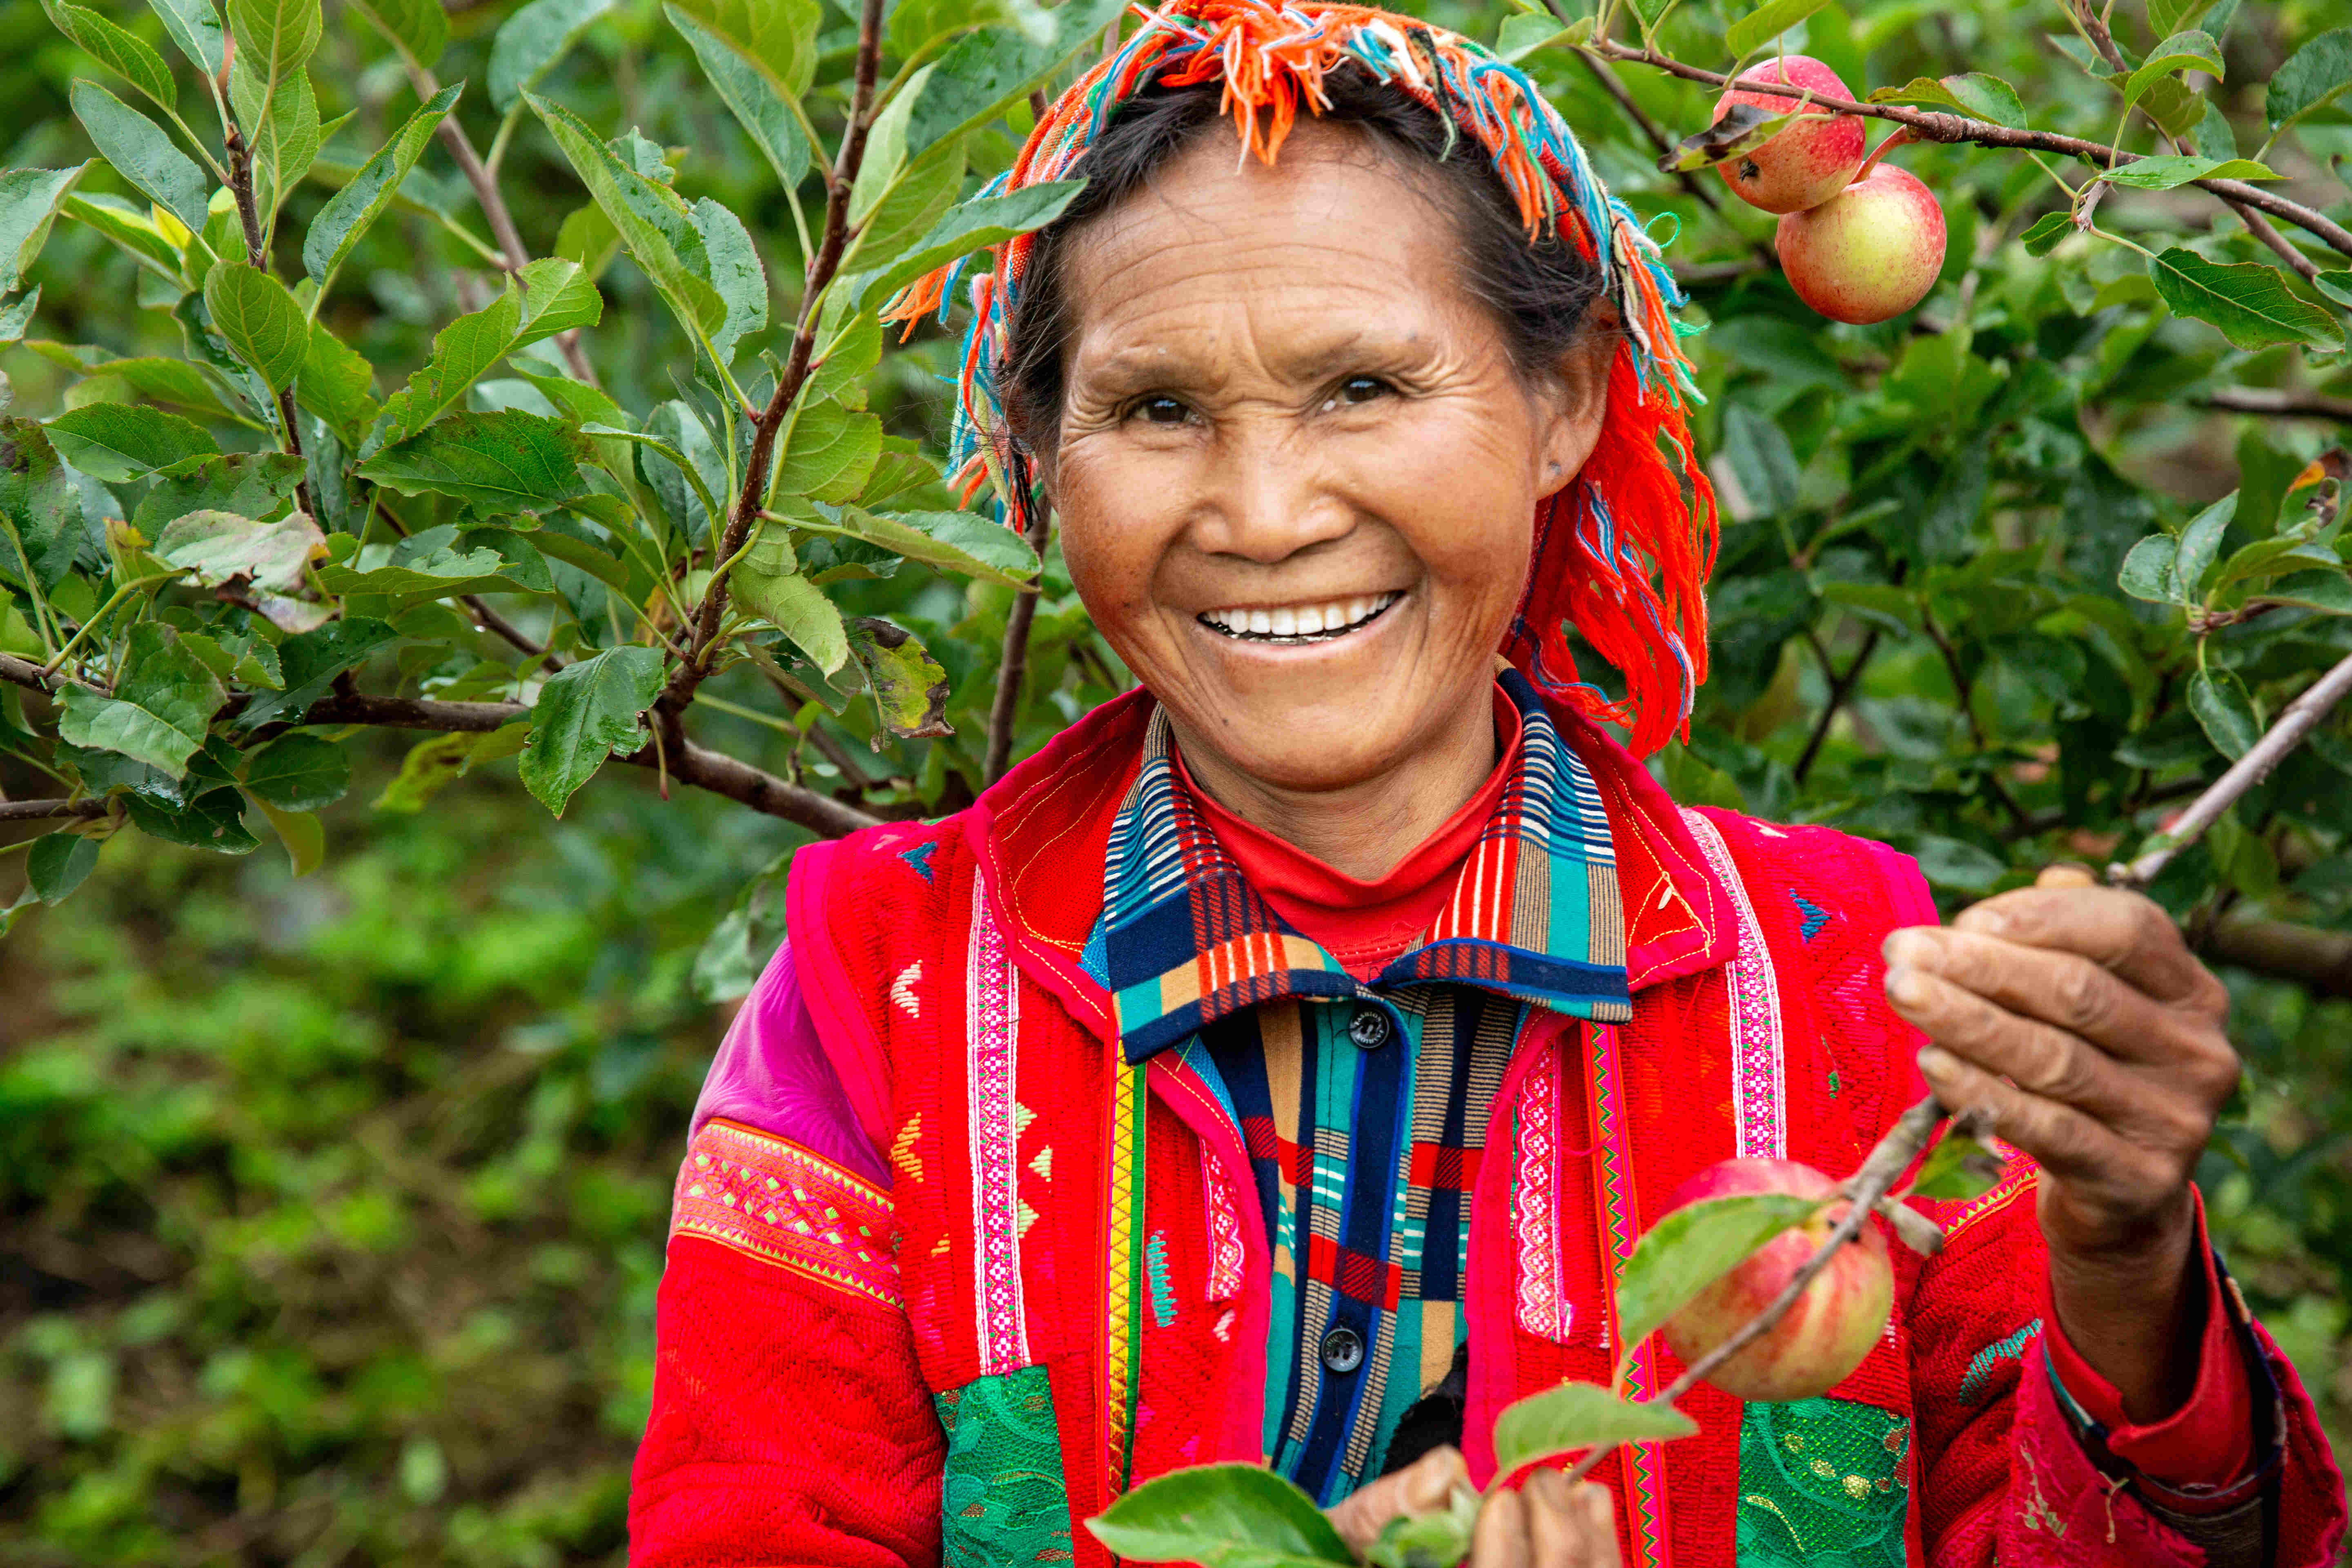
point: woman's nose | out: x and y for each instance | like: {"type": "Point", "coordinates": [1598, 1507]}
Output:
{"type": "Point", "coordinates": [1270, 494]}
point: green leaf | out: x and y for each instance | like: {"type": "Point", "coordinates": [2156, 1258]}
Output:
{"type": "Point", "coordinates": [1221, 1516]}
{"type": "Point", "coordinates": [172, 381]}
{"type": "Point", "coordinates": [778, 37]}
{"type": "Point", "coordinates": [1691, 1248]}
{"type": "Point", "coordinates": [766, 118]}
{"type": "Point", "coordinates": [220, 547]}
{"type": "Point", "coordinates": [419, 29]}
{"type": "Point", "coordinates": [133, 228]}
{"type": "Point", "coordinates": [336, 383]}
{"type": "Point", "coordinates": [505, 461]}
{"type": "Point", "coordinates": [985, 73]}
{"type": "Point", "coordinates": [14, 317]}
{"type": "Point", "coordinates": [654, 224]}
{"type": "Point", "coordinates": [2165, 18]}
{"type": "Point", "coordinates": [2147, 571]}
{"type": "Point", "coordinates": [2224, 706]}
{"type": "Point", "coordinates": [768, 583]}
{"type": "Point", "coordinates": [256, 315]}
{"type": "Point", "coordinates": [304, 838]}
{"type": "Point", "coordinates": [126, 54]}
{"type": "Point", "coordinates": [2201, 540]}
{"type": "Point", "coordinates": [2213, 138]}
{"type": "Point", "coordinates": [284, 141]}
{"type": "Point", "coordinates": [1988, 97]}
{"type": "Point", "coordinates": [250, 484]}
{"type": "Point", "coordinates": [1524, 34]}
{"type": "Point", "coordinates": [274, 39]}
{"type": "Point", "coordinates": [161, 707]}
{"type": "Point", "coordinates": [2336, 285]}
{"type": "Point", "coordinates": [2315, 75]}
{"type": "Point", "coordinates": [2329, 592]}
{"type": "Point", "coordinates": [1765, 23]}
{"type": "Point", "coordinates": [917, 201]}
{"type": "Point", "coordinates": [142, 153]}
{"type": "Point", "coordinates": [960, 541]}
{"type": "Point", "coordinates": [436, 564]}
{"type": "Point", "coordinates": [350, 212]}
{"type": "Point", "coordinates": [29, 200]}
{"type": "Point", "coordinates": [732, 268]}
{"type": "Point", "coordinates": [298, 770]}
{"type": "Point", "coordinates": [2251, 303]}
{"type": "Point", "coordinates": [40, 506]}
{"type": "Point", "coordinates": [119, 442]}
{"type": "Point", "coordinates": [2191, 51]}
{"type": "Point", "coordinates": [1761, 459]}
{"type": "Point", "coordinates": [969, 227]}
{"type": "Point", "coordinates": [530, 41]}
{"type": "Point", "coordinates": [194, 26]}
{"type": "Point", "coordinates": [58, 863]}
{"type": "Point", "coordinates": [433, 764]}
{"type": "Point", "coordinates": [586, 712]}
{"type": "Point", "coordinates": [828, 453]}
{"type": "Point", "coordinates": [2166, 173]}
{"type": "Point", "coordinates": [2047, 232]}
{"type": "Point", "coordinates": [311, 660]}
{"type": "Point", "coordinates": [212, 821]}
{"type": "Point", "coordinates": [1577, 1415]}
{"type": "Point", "coordinates": [1957, 1168]}
{"type": "Point", "coordinates": [886, 148]}
{"type": "Point", "coordinates": [551, 296]}
{"type": "Point", "coordinates": [908, 686]}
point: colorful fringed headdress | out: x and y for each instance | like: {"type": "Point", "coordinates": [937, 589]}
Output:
{"type": "Point", "coordinates": [1624, 552]}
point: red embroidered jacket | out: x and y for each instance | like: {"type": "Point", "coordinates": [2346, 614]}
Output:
{"type": "Point", "coordinates": [900, 1322]}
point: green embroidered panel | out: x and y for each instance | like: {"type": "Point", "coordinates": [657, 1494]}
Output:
{"type": "Point", "coordinates": [1822, 1482]}
{"type": "Point", "coordinates": [1005, 1501]}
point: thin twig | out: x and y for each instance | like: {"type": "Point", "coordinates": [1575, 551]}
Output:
{"type": "Point", "coordinates": [36, 810]}
{"type": "Point", "coordinates": [2276, 404]}
{"type": "Point", "coordinates": [1841, 686]}
{"type": "Point", "coordinates": [2296, 722]}
{"type": "Point", "coordinates": [256, 255]}
{"type": "Point", "coordinates": [1964, 690]}
{"type": "Point", "coordinates": [1004, 713]}
{"type": "Point", "coordinates": [1695, 185]}
{"type": "Point", "coordinates": [748, 502]}
{"type": "Point", "coordinates": [1904, 1143]}
{"type": "Point", "coordinates": [1929, 126]}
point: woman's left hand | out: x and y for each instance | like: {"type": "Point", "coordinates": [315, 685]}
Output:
{"type": "Point", "coordinates": [2079, 1017]}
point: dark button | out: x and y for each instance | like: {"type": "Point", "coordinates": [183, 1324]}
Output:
{"type": "Point", "coordinates": [1342, 1350]}
{"type": "Point", "coordinates": [1370, 1028]}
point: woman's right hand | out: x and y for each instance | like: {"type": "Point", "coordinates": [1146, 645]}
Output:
{"type": "Point", "coordinates": [1545, 1523]}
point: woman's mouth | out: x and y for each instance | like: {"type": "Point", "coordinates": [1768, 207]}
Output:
{"type": "Point", "coordinates": [1295, 624]}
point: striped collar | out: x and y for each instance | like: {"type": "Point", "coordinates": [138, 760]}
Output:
{"type": "Point", "coordinates": [1536, 914]}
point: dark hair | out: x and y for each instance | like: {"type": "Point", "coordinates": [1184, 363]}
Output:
{"type": "Point", "coordinates": [1539, 290]}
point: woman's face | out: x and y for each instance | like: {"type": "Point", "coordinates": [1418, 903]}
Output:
{"type": "Point", "coordinates": [1296, 468]}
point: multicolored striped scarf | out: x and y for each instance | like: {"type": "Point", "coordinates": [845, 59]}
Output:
{"type": "Point", "coordinates": [1622, 552]}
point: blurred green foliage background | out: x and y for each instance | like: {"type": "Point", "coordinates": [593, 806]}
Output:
{"type": "Point", "coordinates": [331, 1209]}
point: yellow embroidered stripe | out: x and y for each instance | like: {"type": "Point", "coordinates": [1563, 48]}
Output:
{"type": "Point", "coordinates": [770, 1199]}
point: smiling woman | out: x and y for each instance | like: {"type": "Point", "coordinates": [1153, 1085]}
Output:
{"type": "Point", "coordinates": [1141, 1116]}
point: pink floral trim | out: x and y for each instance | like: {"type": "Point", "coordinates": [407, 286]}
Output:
{"type": "Point", "coordinates": [770, 1199]}
{"type": "Point", "coordinates": [992, 1023]}
{"type": "Point", "coordinates": [1224, 1229]}
{"type": "Point", "coordinates": [1758, 1084]}
{"type": "Point", "coordinates": [1543, 1306]}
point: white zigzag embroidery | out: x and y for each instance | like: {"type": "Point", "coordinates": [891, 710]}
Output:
{"type": "Point", "coordinates": [902, 990]}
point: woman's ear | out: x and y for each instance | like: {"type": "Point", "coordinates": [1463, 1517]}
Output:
{"type": "Point", "coordinates": [1576, 402]}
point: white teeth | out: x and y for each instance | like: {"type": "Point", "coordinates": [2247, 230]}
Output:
{"type": "Point", "coordinates": [1299, 622]}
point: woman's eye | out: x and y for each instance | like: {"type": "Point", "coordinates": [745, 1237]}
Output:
{"type": "Point", "coordinates": [1358, 389]}
{"type": "Point", "coordinates": [1162, 411]}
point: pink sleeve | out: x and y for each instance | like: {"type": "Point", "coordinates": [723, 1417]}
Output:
{"type": "Point", "coordinates": [773, 1073]}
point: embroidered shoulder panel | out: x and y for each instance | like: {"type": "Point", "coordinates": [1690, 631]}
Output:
{"type": "Point", "coordinates": [770, 1199]}
{"type": "Point", "coordinates": [1825, 1483]}
{"type": "Point", "coordinates": [1002, 1500]}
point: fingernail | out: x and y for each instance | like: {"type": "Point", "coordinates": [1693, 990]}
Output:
{"type": "Point", "coordinates": [1938, 1064]}
{"type": "Point", "coordinates": [1902, 946]}
{"type": "Point", "coordinates": [1904, 984]}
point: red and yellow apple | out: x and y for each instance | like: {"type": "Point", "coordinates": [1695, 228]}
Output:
{"type": "Point", "coordinates": [1832, 1326]}
{"type": "Point", "coordinates": [1812, 158]}
{"type": "Point", "coordinates": [1870, 252]}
